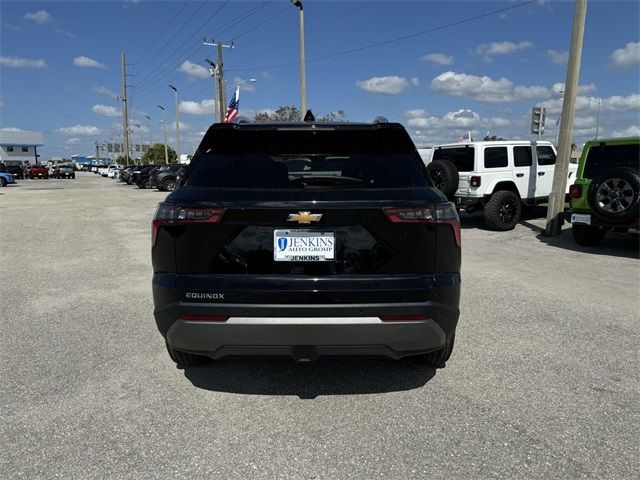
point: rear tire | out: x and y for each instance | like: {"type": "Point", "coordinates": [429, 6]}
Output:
{"type": "Point", "coordinates": [587, 235]}
{"type": "Point", "coordinates": [437, 359]}
{"type": "Point", "coordinates": [503, 210]}
{"type": "Point", "coordinates": [3, 182]}
{"type": "Point", "coordinates": [185, 359]}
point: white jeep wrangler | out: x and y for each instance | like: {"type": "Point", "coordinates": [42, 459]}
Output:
{"type": "Point", "coordinates": [498, 177]}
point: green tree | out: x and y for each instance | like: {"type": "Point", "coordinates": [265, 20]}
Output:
{"type": "Point", "coordinates": [155, 154]}
{"type": "Point", "coordinates": [282, 114]}
{"type": "Point", "coordinates": [292, 114]}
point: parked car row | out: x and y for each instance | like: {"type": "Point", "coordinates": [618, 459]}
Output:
{"type": "Point", "coordinates": [11, 173]}
{"type": "Point", "coordinates": [164, 177]}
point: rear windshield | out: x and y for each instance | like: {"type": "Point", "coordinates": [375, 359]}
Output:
{"type": "Point", "coordinates": [601, 158]}
{"type": "Point", "coordinates": [295, 159]}
{"type": "Point", "coordinates": [461, 157]}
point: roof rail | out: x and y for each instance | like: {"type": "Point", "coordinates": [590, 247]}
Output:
{"type": "Point", "coordinates": [380, 119]}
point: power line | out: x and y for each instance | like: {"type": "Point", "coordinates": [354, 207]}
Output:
{"type": "Point", "coordinates": [169, 41]}
{"type": "Point", "coordinates": [160, 67]}
{"type": "Point", "coordinates": [164, 29]}
{"type": "Point", "coordinates": [397, 39]}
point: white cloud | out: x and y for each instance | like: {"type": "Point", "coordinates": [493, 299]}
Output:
{"type": "Point", "coordinates": [64, 32]}
{"type": "Point", "coordinates": [632, 131]}
{"type": "Point", "coordinates": [13, 27]}
{"type": "Point", "coordinates": [414, 81]}
{"type": "Point", "coordinates": [558, 88]}
{"type": "Point", "coordinates": [626, 57]}
{"type": "Point", "coordinates": [391, 85]}
{"type": "Point", "coordinates": [105, 91]}
{"type": "Point", "coordinates": [485, 89]}
{"type": "Point", "coordinates": [79, 130]}
{"type": "Point", "coordinates": [86, 62]}
{"type": "Point", "coordinates": [616, 103]}
{"type": "Point", "coordinates": [245, 85]}
{"type": "Point", "coordinates": [106, 110]}
{"type": "Point", "coordinates": [490, 50]}
{"type": "Point", "coordinates": [558, 58]}
{"type": "Point", "coordinates": [418, 112]}
{"type": "Point", "coordinates": [448, 127]}
{"type": "Point", "coordinates": [12, 129]}
{"type": "Point", "coordinates": [41, 16]}
{"type": "Point", "coordinates": [17, 62]}
{"type": "Point", "coordinates": [73, 141]}
{"type": "Point", "coordinates": [205, 107]}
{"type": "Point", "coordinates": [193, 70]}
{"type": "Point", "coordinates": [438, 58]}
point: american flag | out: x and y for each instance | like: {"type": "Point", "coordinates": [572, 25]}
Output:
{"type": "Point", "coordinates": [232, 111]}
{"type": "Point", "coordinates": [466, 138]}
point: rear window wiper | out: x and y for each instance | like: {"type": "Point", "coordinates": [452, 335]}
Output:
{"type": "Point", "coordinates": [328, 180]}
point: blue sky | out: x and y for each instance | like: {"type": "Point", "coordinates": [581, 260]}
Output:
{"type": "Point", "coordinates": [468, 66]}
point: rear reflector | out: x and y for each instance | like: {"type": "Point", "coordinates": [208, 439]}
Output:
{"type": "Point", "coordinates": [403, 318]}
{"type": "Point", "coordinates": [204, 318]}
{"type": "Point", "coordinates": [575, 191]}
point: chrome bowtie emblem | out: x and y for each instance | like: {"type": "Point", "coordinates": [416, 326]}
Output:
{"type": "Point", "coordinates": [304, 217]}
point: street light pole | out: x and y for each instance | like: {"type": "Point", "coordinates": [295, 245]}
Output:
{"type": "Point", "coordinates": [140, 132]}
{"type": "Point", "coordinates": [164, 128]}
{"type": "Point", "coordinates": [175, 91]}
{"type": "Point", "coordinates": [150, 129]}
{"type": "Point", "coordinates": [214, 74]}
{"type": "Point", "coordinates": [303, 82]}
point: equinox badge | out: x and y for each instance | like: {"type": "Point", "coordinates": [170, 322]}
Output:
{"type": "Point", "coordinates": [304, 217]}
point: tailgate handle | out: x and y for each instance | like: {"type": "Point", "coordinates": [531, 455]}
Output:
{"type": "Point", "coordinates": [540, 174]}
{"type": "Point", "coordinates": [519, 175]}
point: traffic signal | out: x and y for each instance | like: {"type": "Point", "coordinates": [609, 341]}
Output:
{"type": "Point", "coordinates": [537, 120]}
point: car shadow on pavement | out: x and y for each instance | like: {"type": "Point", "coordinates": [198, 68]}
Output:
{"type": "Point", "coordinates": [326, 376]}
{"type": "Point", "coordinates": [615, 244]}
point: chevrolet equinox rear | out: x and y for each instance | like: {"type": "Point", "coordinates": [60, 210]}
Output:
{"type": "Point", "coordinates": [305, 240]}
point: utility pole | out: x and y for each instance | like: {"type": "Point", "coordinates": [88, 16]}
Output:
{"type": "Point", "coordinates": [125, 113]}
{"type": "Point", "coordinates": [555, 209]}
{"type": "Point", "coordinates": [303, 81]}
{"type": "Point", "coordinates": [221, 90]}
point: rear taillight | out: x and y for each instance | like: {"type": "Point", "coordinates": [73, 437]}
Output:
{"type": "Point", "coordinates": [442, 213]}
{"type": "Point", "coordinates": [575, 191]}
{"type": "Point", "coordinates": [475, 181]}
{"type": "Point", "coordinates": [167, 213]}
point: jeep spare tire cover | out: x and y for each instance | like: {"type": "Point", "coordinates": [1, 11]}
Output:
{"type": "Point", "coordinates": [444, 175]}
{"type": "Point", "coordinates": [614, 195]}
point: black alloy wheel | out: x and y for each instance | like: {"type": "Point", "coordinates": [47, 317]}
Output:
{"type": "Point", "coordinates": [169, 184]}
{"type": "Point", "coordinates": [503, 210]}
{"type": "Point", "coordinates": [614, 195]}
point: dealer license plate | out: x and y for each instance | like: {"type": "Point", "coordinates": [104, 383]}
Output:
{"type": "Point", "coordinates": [303, 246]}
{"type": "Point", "coordinates": [581, 218]}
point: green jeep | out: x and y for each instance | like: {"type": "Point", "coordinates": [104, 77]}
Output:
{"type": "Point", "coordinates": [605, 195]}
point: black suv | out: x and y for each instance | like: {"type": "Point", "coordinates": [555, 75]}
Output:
{"type": "Point", "coordinates": [164, 178]}
{"type": "Point", "coordinates": [303, 240]}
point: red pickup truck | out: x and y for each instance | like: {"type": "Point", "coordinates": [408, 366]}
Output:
{"type": "Point", "coordinates": [37, 171]}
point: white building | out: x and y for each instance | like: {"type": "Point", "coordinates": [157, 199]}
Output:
{"type": "Point", "coordinates": [19, 148]}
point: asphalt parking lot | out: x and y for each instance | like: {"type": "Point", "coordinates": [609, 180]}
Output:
{"type": "Point", "coordinates": [543, 381]}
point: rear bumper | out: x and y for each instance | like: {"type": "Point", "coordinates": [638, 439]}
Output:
{"type": "Point", "coordinates": [314, 329]}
